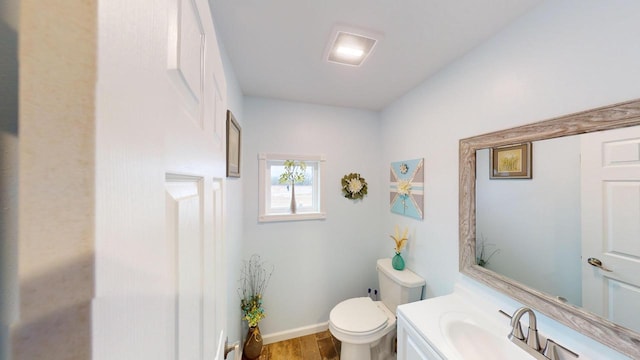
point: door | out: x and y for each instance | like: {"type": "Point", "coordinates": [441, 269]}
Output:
{"type": "Point", "coordinates": [160, 158]}
{"type": "Point", "coordinates": [611, 225]}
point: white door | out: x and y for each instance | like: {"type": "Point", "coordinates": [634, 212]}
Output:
{"type": "Point", "coordinates": [161, 108]}
{"type": "Point", "coordinates": [611, 225]}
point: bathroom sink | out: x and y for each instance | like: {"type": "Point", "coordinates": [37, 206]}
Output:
{"type": "Point", "coordinates": [470, 340]}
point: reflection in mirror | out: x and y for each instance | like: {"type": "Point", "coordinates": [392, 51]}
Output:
{"type": "Point", "coordinates": [533, 225]}
{"type": "Point", "coordinates": [566, 241]}
{"type": "Point", "coordinates": [532, 230]}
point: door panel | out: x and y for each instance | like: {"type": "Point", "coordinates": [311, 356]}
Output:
{"type": "Point", "coordinates": [184, 235]}
{"type": "Point", "coordinates": [622, 217]}
{"type": "Point", "coordinates": [215, 305]}
{"type": "Point", "coordinates": [623, 296]}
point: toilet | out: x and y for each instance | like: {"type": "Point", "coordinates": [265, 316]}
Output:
{"type": "Point", "coordinates": [367, 328]}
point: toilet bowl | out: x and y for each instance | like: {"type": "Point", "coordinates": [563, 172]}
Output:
{"type": "Point", "coordinates": [364, 327]}
{"type": "Point", "coordinates": [367, 328]}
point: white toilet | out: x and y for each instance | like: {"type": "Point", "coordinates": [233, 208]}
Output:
{"type": "Point", "coordinates": [367, 328]}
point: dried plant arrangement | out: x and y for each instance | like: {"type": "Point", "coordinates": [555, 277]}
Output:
{"type": "Point", "coordinates": [254, 278]}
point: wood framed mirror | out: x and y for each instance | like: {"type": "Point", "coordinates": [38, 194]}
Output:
{"type": "Point", "coordinates": [622, 115]}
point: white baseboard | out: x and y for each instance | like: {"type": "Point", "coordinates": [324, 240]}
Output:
{"type": "Point", "coordinates": [294, 333]}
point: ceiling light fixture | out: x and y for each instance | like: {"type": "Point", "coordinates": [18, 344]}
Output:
{"type": "Point", "coordinates": [349, 52]}
{"type": "Point", "coordinates": [349, 48]}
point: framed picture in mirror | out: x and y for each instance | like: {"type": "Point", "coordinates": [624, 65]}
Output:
{"type": "Point", "coordinates": [511, 162]}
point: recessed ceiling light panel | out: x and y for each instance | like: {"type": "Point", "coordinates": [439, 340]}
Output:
{"type": "Point", "coordinates": [349, 48]}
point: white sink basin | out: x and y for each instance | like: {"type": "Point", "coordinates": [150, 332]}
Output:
{"type": "Point", "coordinates": [470, 340]}
{"type": "Point", "coordinates": [467, 325]}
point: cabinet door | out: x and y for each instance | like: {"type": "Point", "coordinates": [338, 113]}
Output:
{"type": "Point", "coordinates": [411, 346]}
{"type": "Point", "coordinates": [414, 351]}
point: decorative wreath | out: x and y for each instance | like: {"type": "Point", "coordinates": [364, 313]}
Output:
{"type": "Point", "coordinates": [354, 186]}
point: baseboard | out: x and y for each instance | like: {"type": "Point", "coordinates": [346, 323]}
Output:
{"type": "Point", "coordinates": [294, 333]}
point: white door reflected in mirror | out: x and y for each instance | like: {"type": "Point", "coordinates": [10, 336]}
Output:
{"type": "Point", "coordinates": [610, 227]}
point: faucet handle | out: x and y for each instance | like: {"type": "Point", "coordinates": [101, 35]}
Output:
{"type": "Point", "coordinates": [504, 313]}
{"type": "Point", "coordinates": [551, 350]}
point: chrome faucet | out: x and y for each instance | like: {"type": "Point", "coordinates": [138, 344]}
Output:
{"type": "Point", "coordinates": [531, 342]}
{"type": "Point", "coordinates": [532, 339]}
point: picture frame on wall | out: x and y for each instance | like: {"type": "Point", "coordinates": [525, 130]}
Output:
{"type": "Point", "coordinates": [511, 162]}
{"type": "Point", "coordinates": [406, 190]}
{"type": "Point", "coordinates": [233, 146]}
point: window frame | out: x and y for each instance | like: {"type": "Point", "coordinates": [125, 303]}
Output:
{"type": "Point", "coordinates": [265, 161]}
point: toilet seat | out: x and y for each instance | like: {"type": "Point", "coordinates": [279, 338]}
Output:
{"type": "Point", "coordinates": [358, 316]}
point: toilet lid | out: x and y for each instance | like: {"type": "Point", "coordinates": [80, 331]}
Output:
{"type": "Point", "coordinates": [358, 315]}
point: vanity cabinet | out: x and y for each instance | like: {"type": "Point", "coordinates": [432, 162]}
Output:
{"type": "Point", "coordinates": [411, 346]}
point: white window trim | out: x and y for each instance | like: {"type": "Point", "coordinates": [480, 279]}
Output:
{"type": "Point", "coordinates": [262, 183]}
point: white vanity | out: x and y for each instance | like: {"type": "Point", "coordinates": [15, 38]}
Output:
{"type": "Point", "coordinates": [448, 327]}
{"type": "Point", "coordinates": [467, 325]}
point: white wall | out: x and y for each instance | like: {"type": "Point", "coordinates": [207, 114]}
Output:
{"type": "Point", "coordinates": [57, 183]}
{"type": "Point", "coordinates": [320, 262]}
{"type": "Point", "coordinates": [535, 223]}
{"type": "Point", "coordinates": [8, 169]}
{"type": "Point", "coordinates": [563, 57]}
{"type": "Point", "coordinates": [234, 205]}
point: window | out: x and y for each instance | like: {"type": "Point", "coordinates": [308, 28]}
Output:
{"type": "Point", "coordinates": [275, 198]}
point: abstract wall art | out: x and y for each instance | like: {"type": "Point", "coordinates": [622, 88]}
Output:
{"type": "Point", "coordinates": [407, 188]}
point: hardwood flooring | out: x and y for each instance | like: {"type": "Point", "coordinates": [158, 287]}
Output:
{"type": "Point", "coordinates": [320, 346]}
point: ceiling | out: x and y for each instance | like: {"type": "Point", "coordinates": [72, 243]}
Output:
{"type": "Point", "coordinates": [276, 47]}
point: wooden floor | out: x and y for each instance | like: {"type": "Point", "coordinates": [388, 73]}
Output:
{"type": "Point", "coordinates": [320, 346]}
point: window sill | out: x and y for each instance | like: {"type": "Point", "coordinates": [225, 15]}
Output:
{"type": "Point", "coordinates": [292, 217]}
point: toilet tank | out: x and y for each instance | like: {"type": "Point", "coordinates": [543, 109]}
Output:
{"type": "Point", "coordinates": [398, 287]}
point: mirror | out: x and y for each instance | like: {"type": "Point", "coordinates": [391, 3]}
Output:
{"type": "Point", "coordinates": [525, 286]}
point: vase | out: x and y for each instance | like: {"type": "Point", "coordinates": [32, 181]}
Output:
{"type": "Point", "coordinates": [397, 262]}
{"type": "Point", "coordinates": [253, 344]}
{"type": "Point", "coordinates": [293, 207]}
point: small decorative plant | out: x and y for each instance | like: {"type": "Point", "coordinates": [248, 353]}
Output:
{"type": "Point", "coordinates": [294, 172]}
{"type": "Point", "coordinates": [252, 310]}
{"type": "Point", "coordinates": [397, 261]}
{"type": "Point", "coordinates": [399, 240]}
{"type": "Point", "coordinates": [253, 281]}
{"type": "Point", "coordinates": [482, 259]}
